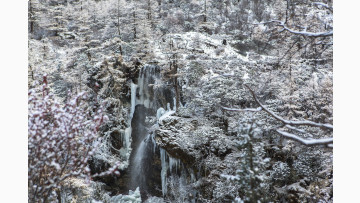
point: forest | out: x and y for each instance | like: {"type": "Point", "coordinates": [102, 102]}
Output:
{"type": "Point", "coordinates": [180, 101]}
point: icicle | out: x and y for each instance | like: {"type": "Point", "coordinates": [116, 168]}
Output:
{"type": "Point", "coordinates": [174, 99]}
{"type": "Point", "coordinates": [173, 162]}
{"type": "Point", "coordinates": [147, 103]}
{"type": "Point", "coordinates": [133, 99]}
{"type": "Point", "coordinates": [159, 113]}
{"type": "Point", "coordinates": [153, 142]}
{"type": "Point", "coordinates": [141, 88]}
{"type": "Point", "coordinates": [126, 140]}
{"type": "Point", "coordinates": [168, 107]}
{"type": "Point", "coordinates": [164, 168]}
{"type": "Point", "coordinates": [192, 176]}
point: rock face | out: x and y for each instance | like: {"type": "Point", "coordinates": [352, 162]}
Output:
{"type": "Point", "coordinates": [203, 148]}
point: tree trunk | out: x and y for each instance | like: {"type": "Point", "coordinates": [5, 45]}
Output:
{"type": "Point", "coordinates": [118, 18]}
{"type": "Point", "coordinates": [31, 17]}
{"type": "Point", "coordinates": [205, 12]}
{"type": "Point", "coordinates": [176, 84]}
{"type": "Point", "coordinates": [134, 29]}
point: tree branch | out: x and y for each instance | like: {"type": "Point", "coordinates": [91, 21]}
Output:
{"type": "Point", "coordinates": [310, 142]}
{"type": "Point", "coordinates": [299, 130]}
{"type": "Point", "coordinates": [241, 110]}
{"type": "Point", "coordinates": [303, 33]}
{"type": "Point", "coordinates": [307, 34]}
{"type": "Point", "coordinates": [288, 122]}
{"type": "Point", "coordinates": [324, 5]}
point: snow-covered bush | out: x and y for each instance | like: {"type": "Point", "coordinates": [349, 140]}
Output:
{"type": "Point", "coordinates": [61, 139]}
{"type": "Point", "coordinates": [280, 172]}
{"type": "Point", "coordinates": [308, 163]}
{"type": "Point", "coordinates": [252, 180]}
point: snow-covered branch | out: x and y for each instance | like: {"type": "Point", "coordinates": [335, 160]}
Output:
{"type": "Point", "coordinates": [305, 33]}
{"type": "Point", "coordinates": [241, 110]}
{"type": "Point", "coordinates": [299, 130]}
{"type": "Point", "coordinates": [324, 5]}
{"type": "Point", "coordinates": [288, 122]}
{"type": "Point", "coordinates": [307, 142]}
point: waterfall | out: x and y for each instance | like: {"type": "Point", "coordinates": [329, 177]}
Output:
{"type": "Point", "coordinates": [143, 143]}
{"type": "Point", "coordinates": [137, 171]}
{"type": "Point", "coordinates": [164, 168]}
{"type": "Point", "coordinates": [152, 99]}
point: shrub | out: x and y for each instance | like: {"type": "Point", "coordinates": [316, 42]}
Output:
{"type": "Point", "coordinates": [61, 139]}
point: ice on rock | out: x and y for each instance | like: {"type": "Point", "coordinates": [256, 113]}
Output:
{"type": "Point", "coordinates": [167, 114]}
{"type": "Point", "coordinates": [133, 197]}
{"type": "Point", "coordinates": [160, 112]}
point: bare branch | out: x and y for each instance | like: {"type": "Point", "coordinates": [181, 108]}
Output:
{"type": "Point", "coordinates": [324, 5]}
{"type": "Point", "coordinates": [303, 33]}
{"type": "Point", "coordinates": [310, 142]}
{"type": "Point", "coordinates": [299, 130]}
{"type": "Point", "coordinates": [241, 110]}
{"type": "Point", "coordinates": [308, 123]}
{"type": "Point", "coordinates": [308, 34]}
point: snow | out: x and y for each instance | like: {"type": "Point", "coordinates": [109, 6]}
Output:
{"type": "Point", "coordinates": [246, 76]}
{"type": "Point", "coordinates": [56, 165]}
{"type": "Point", "coordinates": [126, 139]}
{"type": "Point", "coordinates": [238, 200]}
{"type": "Point", "coordinates": [133, 197]}
{"type": "Point", "coordinates": [229, 177]}
{"type": "Point", "coordinates": [165, 115]}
